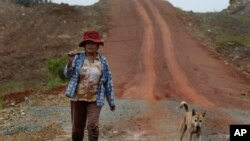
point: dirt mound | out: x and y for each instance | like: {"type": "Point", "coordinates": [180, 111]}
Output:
{"type": "Point", "coordinates": [40, 33]}
{"type": "Point", "coordinates": [155, 65]}
{"type": "Point", "coordinates": [31, 36]}
{"type": "Point", "coordinates": [239, 7]}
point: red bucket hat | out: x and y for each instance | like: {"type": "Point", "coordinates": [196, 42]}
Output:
{"type": "Point", "coordinates": [91, 35]}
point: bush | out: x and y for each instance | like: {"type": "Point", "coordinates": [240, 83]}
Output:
{"type": "Point", "coordinates": [1, 102]}
{"type": "Point", "coordinates": [223, 30]}
{"type": "Point", "coordinates": [232, 40]}
{"type": "Point", "coordinates": [55, 72]}
{"type": "Point", "coordinates": [31, 3]}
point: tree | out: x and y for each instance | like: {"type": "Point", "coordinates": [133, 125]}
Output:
{"type": "Point", "coordinates": [30, 3]}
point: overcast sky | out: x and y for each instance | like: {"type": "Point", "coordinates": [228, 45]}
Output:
{"type": "Point", "coordinates": [76, 2]}
{"type": "Point", "coordinates": [188, 5]}
{"type": "Point", "coordinates": [201, 5]}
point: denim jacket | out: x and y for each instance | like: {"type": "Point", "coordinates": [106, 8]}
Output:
{"type": "Point", "coordinates": [105, 87]}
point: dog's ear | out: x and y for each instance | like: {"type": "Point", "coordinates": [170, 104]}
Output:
{"type": "Point", "coordinates": [193, 112]}
{"type": "Point", "coordinates": [204, 113]}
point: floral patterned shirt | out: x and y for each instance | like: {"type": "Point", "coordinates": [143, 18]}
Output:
{"type": "Point", "coordinates": [89, 80]}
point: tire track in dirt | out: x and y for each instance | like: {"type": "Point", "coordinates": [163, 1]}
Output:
{"type": "Point", "coordinates": [145, 89]}
{"type": "Point", "coordinates": [153, 119]}
{"type": "Point", "coordinates": [142, 84]}
{"type": "Point", "coordinates": [182, 84]}
{"type": "Point", "coordinates": [179, 79]}
{"type": "Point", "coordinates": [206, 71]}
{"type": "Point", "coordinates": [163, 87]}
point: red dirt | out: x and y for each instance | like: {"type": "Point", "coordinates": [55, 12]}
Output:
{"type": "Point", "coordinates": [55, 91]}
{"type": "Point", "coordinates": [152, 57]}
{"type": "Point", "coordinates": [27, 45]}
{"type": "Point", "coordinates": [138, 51]}
{"type": "Point", "coordinates": [19, 96]}
{"type": "Point", "coordinates": [16, 97]}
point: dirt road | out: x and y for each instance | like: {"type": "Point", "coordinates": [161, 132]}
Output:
{"type": "Point", "coordinates": [149, 49]}
{"type": "Point", "coordinates": [154, 59]}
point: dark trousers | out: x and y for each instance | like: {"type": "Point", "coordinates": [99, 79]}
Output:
{"type": "Point", "coordinates": [81, 112]}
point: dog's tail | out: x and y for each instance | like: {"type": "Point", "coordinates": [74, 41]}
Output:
{"type": "Point", "coordinates": [184, 104]}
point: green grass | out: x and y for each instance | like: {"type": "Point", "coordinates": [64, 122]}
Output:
{"type": "Point", "coordinates": [222, 29]}
{"type": "Point", "coordinates": [55, 68]}
{"type": "Point", "coordinates": [230, 40]}
{"type": "Point", "coordinates": [1, 102]}
{"type": "Point", "coordinates": [53, 83]}
{"type": "Point", "coordinates": [94, 17]}
{"type": "Point", "coordinates": [14, 85]}
{"type": "Point", "coordinates": [54, 75]}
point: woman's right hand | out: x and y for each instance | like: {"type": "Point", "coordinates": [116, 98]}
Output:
{"type": "Point", "coordinates": [71, 56]}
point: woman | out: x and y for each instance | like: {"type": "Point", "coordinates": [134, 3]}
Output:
{"type": "Point", "coordinates": [90, 82]}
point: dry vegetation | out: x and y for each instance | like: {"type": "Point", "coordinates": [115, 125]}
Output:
{"type": "Point", "coordinates": [227, 33]}
{"type": "Point", "coordinates": [33, 39]}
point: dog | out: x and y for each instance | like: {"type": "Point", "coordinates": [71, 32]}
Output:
{"type": "Point", "coordinates": [192, 122]}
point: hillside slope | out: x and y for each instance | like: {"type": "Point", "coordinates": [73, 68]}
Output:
{"type": "Point", "coordinates": [30, 37]}
{"type": "Point", "coordinates": [239, 7]}
{"type": "Point", "coordinates": [155, 65]}
{"type": "Point", "coordinates": [227, 32]}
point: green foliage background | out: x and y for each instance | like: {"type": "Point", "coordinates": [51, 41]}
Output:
{"type": "Point", "coordinates": [55, 68]}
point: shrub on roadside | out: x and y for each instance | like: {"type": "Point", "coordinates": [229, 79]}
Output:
{"type": "Point", "coordinates": [30, 3]}
{"type": "Point", "coordinates": [229, 34]}
{"type": "Point", "coordinates": [1, 102]}
{"type": "Point", "coordinates": [55, 68]}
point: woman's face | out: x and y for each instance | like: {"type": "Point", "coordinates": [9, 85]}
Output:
{"type": "Point", "coordinates": [91, 47]}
